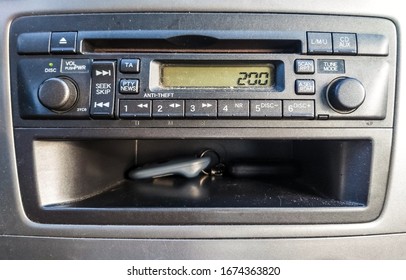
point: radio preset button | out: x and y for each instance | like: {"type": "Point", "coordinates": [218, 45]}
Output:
{"type": "Point", "coordinates": [298, 109]}
{"type": "Point", "coordinates": [129, 86]}
{"type": "Point", "coordinates": [344, 43]}
{"type": "Point", "coordinates": [266, 109]}
{"type": "Point", "coordinates": [201, 108]}
{"type": "Point", "coordinates": [103, 89]}
{"type": "Point", "coordinates": [319, 43]}
{"type": "Point", "coordinates": [134, 109]}
{"type": "Point", "coordinates": [305, 87]}
{"type": "Point", "coordinates": [130, 65]}
{"type": "Point", "coordinates": [63, 42]}
{"type": "Point", "coordinates": [233, 108]}
{"type": "Point", "coordinates": [168, 108]}
{"type": "Point", "coordinates": [304, 66]}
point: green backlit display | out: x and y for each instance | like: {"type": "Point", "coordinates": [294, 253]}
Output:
{"type": "Point", "coordinates": [216, 76]}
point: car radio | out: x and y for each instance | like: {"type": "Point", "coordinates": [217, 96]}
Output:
{"type": "Point", "coordinates": [246, 68]}
{"type": "Point", "coordinates": [295, 113]}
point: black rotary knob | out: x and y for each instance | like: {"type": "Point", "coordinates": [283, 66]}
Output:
{"type": "Point", "coordinates": [58, 94]}
{"type": "Point", "coordinates": [345, 95]}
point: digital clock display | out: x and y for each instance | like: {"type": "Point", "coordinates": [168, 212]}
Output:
{"type": "Point", "coordinates": [216, 76]}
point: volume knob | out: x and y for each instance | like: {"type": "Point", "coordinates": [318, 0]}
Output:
{"type": "Point", "coordinates": [345, 95]}
{"type": "Point", "coordinates": [58, 94]}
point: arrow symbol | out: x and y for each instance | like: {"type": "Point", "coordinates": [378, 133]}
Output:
{"type": "Point", "coordinates": [143, 105]}
{"type": "Point", "coordinates": [208, 105]}
{"type": "Point", "coordinates": [101, 104]}
{"type": "Point", "coordinates": [174, 105]}
{"type": "Point", "coordinates": [63, 41]}
{"type": "Point", "coordinates": [103, 72]}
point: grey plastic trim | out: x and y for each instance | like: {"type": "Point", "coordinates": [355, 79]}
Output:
{"type": "Point", "coordinates": [392, 219]}
{"type": "Point", "coordinates": [366, 247]}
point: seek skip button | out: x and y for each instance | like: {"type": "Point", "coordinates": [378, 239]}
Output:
{"type": "Point", "coordinates": [129, 86]}
{"type": "Point", "coordinates": [103, 89]}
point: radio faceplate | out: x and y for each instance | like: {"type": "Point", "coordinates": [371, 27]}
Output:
{"type": "Point", "coordinates": [313, 95]}
{"type": "Point", "coordinates": [319, 74]}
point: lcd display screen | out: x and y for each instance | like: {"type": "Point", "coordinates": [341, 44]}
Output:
{"type": "Point", "coordinates": [216, 76]}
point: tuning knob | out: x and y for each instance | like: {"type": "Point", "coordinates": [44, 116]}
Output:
{"type": "Point", "coordinates": [58, 94]}
{"type": "Point", "coordinates": [345, 95]}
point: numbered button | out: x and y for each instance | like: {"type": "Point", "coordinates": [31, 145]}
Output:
{"type": "Point", "coordinates": [233, 108]}
{"type": "Point", "coordinates": [266, 109]}
{"type": "Point", "coordinates": [168, 108]}
{"type": "Point", "coordinates": [298, 109]}
{"type": "Point", "coordinates": [134, 109]}
{"type": "Point", "coordinates": [201, 109]}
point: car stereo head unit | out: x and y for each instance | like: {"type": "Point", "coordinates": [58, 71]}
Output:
{"type": "Point", "coordinates": [261, 70]}
{"type": "Point", "coordinates": [296, 112]}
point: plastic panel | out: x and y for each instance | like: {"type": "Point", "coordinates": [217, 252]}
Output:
{"type": "Point", "coordinates": [392, 219]}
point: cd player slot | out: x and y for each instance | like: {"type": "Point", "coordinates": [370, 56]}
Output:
{"type": "Point", "coordinates": [190, 44]}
